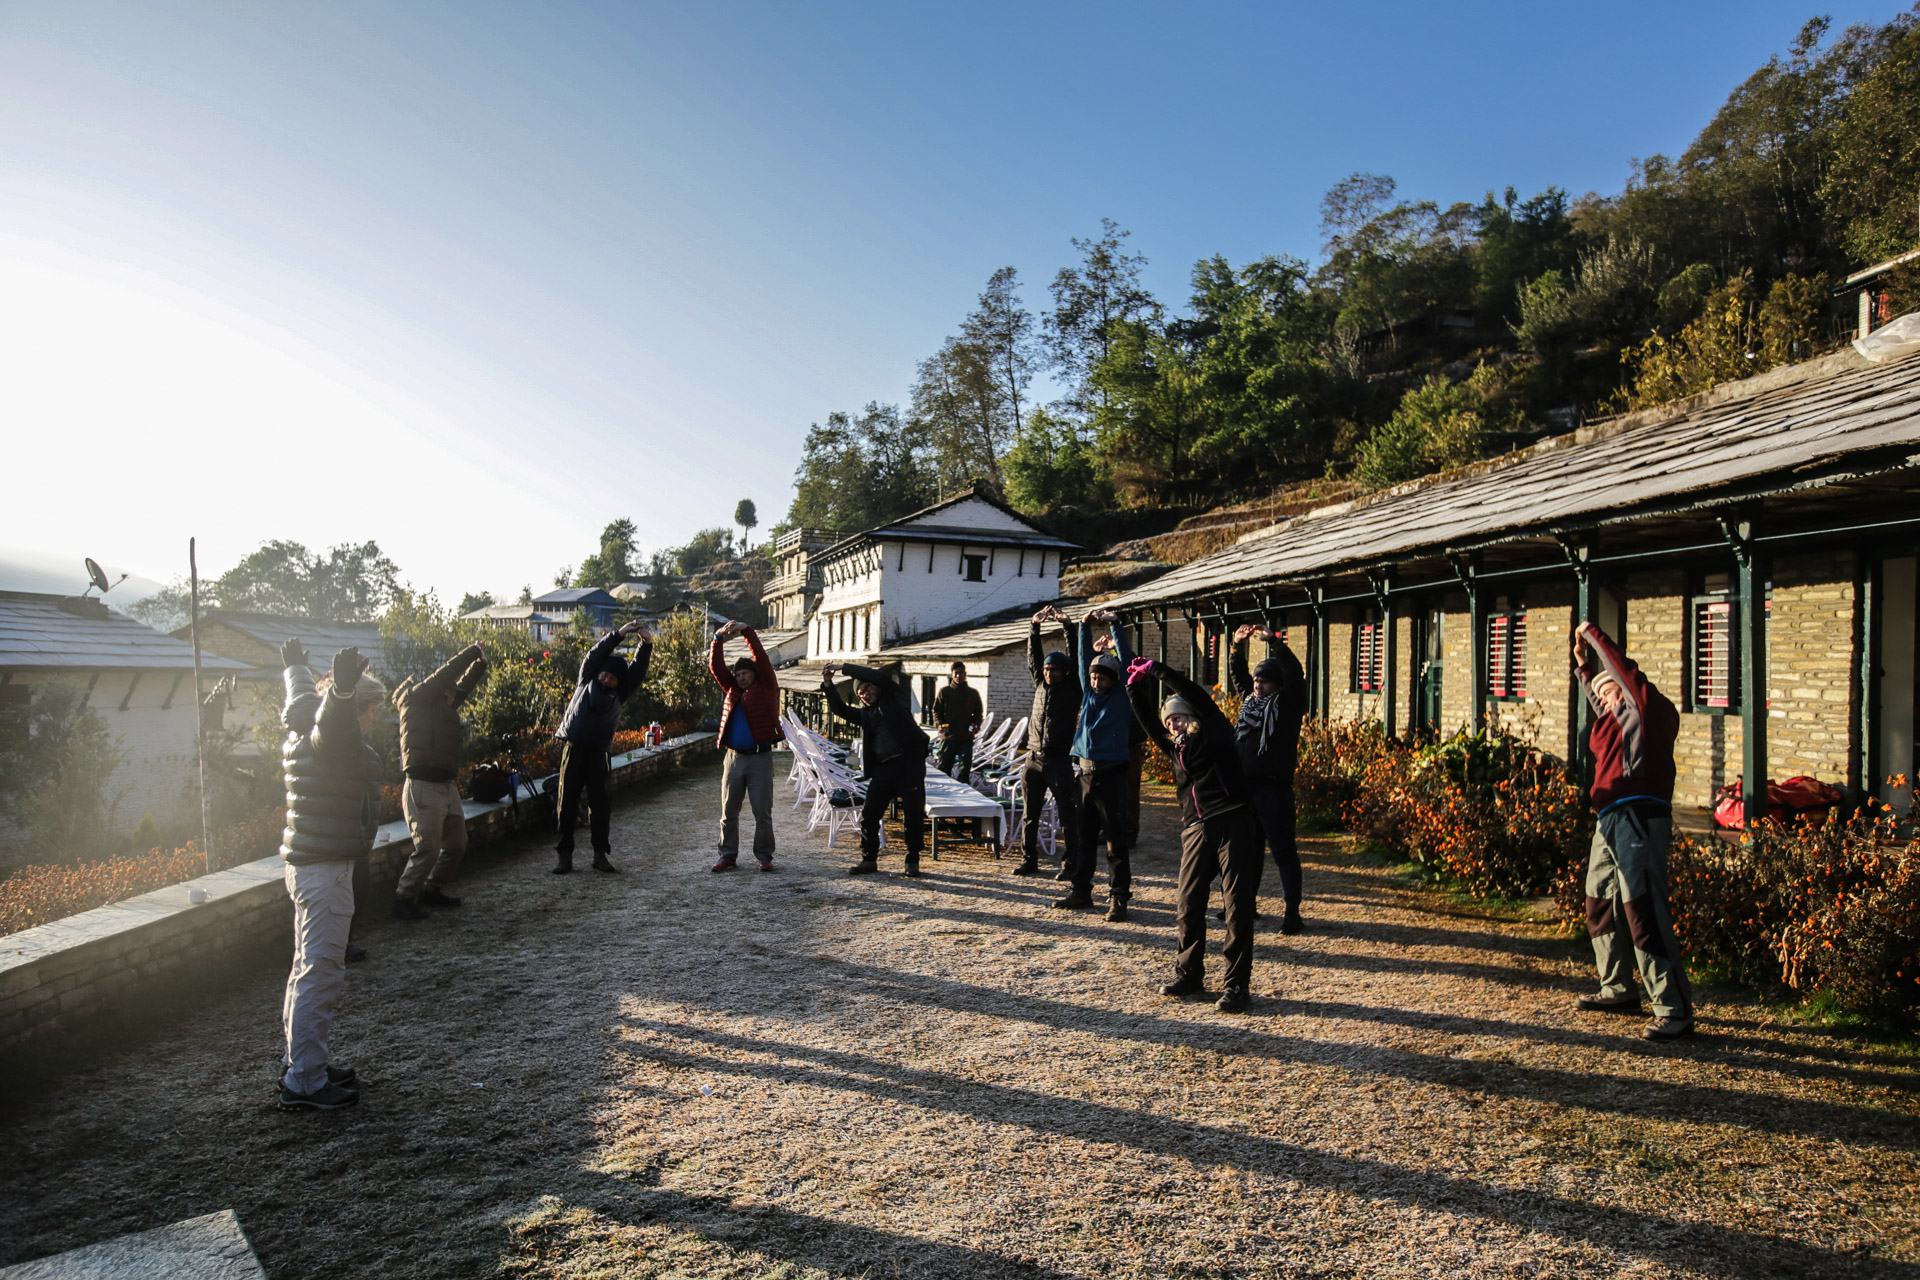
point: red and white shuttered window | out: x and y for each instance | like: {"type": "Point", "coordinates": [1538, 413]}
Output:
{"type": "Point", "coordinates": [1507, 655]}
{"type": "Point", "coordinates": [1715, 683]}
{"type": "Point", "coordinates": [1368, 659]}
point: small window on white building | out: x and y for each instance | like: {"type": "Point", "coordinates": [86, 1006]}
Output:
{"type": "Point", "coordinates": [976, 568]}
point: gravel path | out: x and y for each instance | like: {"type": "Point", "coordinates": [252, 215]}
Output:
{"type": "Point", "coordinates": [671, 1073]}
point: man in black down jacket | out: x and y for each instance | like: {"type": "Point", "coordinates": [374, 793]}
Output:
{"type": "Point", "coordinates": [1050, 729]}
{"type": "Point", "coordinates": [431, 736]}
{"type": "Point", "coordinates": [331, 776]}
{"type": "Point", "coordinates": [1218, 834]}
{"type": "Point", "coordinates": [1273, 702]}
{"type": "Point", "coordinates": [587, 729]}
{"type": "Point", "coordinates": [893, 750]}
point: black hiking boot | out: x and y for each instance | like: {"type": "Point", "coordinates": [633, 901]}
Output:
{"type": "Point", "coordinates": [328, 1097]}
{"type": "Point", "coordinates": [1116, 910]}
{"type": "Point", "coordinates": [565, 865]}
{"type": "Point", "coordinates": [1290, 923]}
{"type": "Point", "coordinates": [600, 863]}
{"type": "Point", "coordinates": [1232, 1000]}
{"type": "Point", "coordinates": [1628, 1002]}
{"type": "Point", "coordinates": [1667, 1029]}
{"type": "Point", "coordinates": [432, 897]}
{"type": "Point", "coordinates": [1078, 900]}
{"type": "Point", "coordinates": [1027, 867]}
{"type": "Point", "coordinates": [408, 909]}
{"type": "Point", "coordinates": [864, 867]}
{"type": "Point", "coordinates": [1184, 987]}
{"type": "Point", "coordinates": [913, 865]}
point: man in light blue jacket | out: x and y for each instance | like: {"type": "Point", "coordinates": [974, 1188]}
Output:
{"type": "Point", "coordinates": [1103, 751]}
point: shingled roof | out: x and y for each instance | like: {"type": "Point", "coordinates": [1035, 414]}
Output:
{"type": "Point", "coordinates": [1816, 423]}
{"type": "Point", "coordinates": [36, 631]}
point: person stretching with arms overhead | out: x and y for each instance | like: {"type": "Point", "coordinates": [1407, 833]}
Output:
{"type": "Point", "coordinates": [749, 726]}
{"type": "Point", "coordinates": [587, 728]}
{"type": "Point", "coordinates": [894, 751]}
{"type": "Point", "coordinates": [1101, 747]}
{"type": "Point", "coordinates": [1273, 702]}
{"type": "Point", "coordinates": [1218, 833]}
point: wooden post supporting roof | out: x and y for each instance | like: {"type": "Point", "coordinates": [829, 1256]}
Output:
{"type": "Point", "coordinates": [1752, 650]}
{"type": "Point", "coordinates": [1467, 569]}
{"type": "Point", "coordinates": [1579, 553]}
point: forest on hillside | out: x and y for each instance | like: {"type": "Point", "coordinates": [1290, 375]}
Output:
{"type": "Point", "coordinates": [1426, 335]}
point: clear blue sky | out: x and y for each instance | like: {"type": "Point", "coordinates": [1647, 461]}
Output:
{"type": "Point", "coordinates": [561, 263]}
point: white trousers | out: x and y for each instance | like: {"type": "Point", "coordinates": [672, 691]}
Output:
{"type": "Point", "coordinates": [322, 894]}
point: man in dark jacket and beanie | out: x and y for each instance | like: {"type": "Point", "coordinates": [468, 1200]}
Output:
{"type": "Point", "coordinates": [1218, 833]}
{"type": "Point", "coordinates": [331, 777]}
{"type": "Point", "coordinates": [749, 726]}
{"type": "Point", "coordinates": [1634, 726]}
{"type": "Point", "coordinates": [587, 728]}
{"type": "Point", "coordinates": [1273, 702]}
{"type": "Point", "coordinates": [1102, 749]}
{"type": "Point", "coordinates": [893, 750]}
{"type": "Point", "coordinates": [1050, 728]}
{"type": "Point", "coordinates": [431, 736]}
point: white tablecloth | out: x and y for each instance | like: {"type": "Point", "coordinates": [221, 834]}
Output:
{"type": "Point", "coordinates": [947, 798]}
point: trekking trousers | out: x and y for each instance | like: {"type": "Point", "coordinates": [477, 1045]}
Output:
{"type": "Point", "coordinates": [438, 822]}
{"type": "Point", "coordinates": [584, 775]}
{"type": "Point", "coordinates": [1274, 807]}
{"type": "Point", "coordinates": [956, 757]}
{"type": "Point", "coordinates": [322, 894]}
{"type": "Point", "coordinates": [1103, 816]}
{"type": "Point", "coordinates": [747, 778]}
{"type": "Point", "coordinates": [1227, 846]}
{"type": "Point", "coordinates": [903, 778]}
{"type": "Point", "coordinates": [1040, 779]}
{"type": "Point", "coordinates": [1627, 911]}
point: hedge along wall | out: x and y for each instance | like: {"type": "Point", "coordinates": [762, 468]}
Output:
{"type": "Point", "coordinates": [59, 976]}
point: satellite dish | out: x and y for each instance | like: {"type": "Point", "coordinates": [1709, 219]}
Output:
{"type": "Point", "coordinates": [99, 575]}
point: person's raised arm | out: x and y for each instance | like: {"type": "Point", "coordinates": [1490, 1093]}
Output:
{"type": "Point", "coordinates": [762, 664]}
{"type": "Point", "coordinates": [303, 703]}
{"type": "Point", "coordinates": [1237, 674]}
{"type": "Point", "coordinates": [1122, 646]}
{"type": "Point", "coordinates": [835, 703]}
{"type": "Point", "coordinates": [470, 678]}
{"type": "Point", "coordinates": [336, 730]}
{"type": "Point", "coordinates": [717, 660]}
{"type": "Point", "coordinates": [1142, 693]}
{"type": "Point", "coordinates": [1036, 660]}
{"type": "Point", "coordinates": [1293, 682]}
{"type": "Point", "coordinates": [1081, 641]}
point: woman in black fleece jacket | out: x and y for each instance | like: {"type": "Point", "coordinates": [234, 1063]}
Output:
{"type": "Point", "coordinates": [1218, 834]}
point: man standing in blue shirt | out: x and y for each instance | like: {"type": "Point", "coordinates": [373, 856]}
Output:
{"type": "Point", "coordinates": [1102, 748]}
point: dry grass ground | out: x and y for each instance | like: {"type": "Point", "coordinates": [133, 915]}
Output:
{"type": "Point", "coordinates": [671, 1073]}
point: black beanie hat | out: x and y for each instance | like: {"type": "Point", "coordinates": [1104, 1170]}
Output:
{"type": "Point", "coordinates": [1058, 659]}
{"type": "Point", "coordinates": [615, 666]}
{"type": "Point", "coordinates": [1268, 669]}
{"type": "Point", "coordinates": [744, 663]}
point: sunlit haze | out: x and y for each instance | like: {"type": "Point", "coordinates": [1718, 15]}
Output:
{"type": "Point", "coordinates": [473, 280]}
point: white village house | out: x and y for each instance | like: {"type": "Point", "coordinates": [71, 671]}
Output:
{"type": "Point", "coordinates": [967, 558]}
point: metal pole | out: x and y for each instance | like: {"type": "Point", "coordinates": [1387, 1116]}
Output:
{"type": "Point", "coordinates": [199, 711]}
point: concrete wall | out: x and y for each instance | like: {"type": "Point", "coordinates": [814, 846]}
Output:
{"type": "Point", "coordinates": [59, 976]}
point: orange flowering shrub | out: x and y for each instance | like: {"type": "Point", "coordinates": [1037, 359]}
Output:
{"type": "Point", "coordinates": [42, 894]}
{"type": "Point", "coordinates": [1826, 908]}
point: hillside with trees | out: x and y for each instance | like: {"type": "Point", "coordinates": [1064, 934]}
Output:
{"type": "Point", "coordinates": [1426, 334]}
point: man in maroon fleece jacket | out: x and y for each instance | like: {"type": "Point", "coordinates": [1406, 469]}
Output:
{"type": "Point", "coordinates": [749, 726]}
{"type": "Point", "coordinates": [1634, 726]}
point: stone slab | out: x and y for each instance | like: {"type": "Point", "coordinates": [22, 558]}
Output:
{"type": "Point", "coordinates": [211, 1247]}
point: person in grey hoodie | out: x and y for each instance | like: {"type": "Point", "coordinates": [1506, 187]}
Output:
{"type": "Point", "coordinates": [331, 776]}
{"type": "Point", "coordinates": [587, 728]}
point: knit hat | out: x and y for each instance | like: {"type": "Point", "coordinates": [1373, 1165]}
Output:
{"type": "Point", "coordinates": [615, 666]}
{"type": "Point", "coordinates": [744, 663]}
{"type": "Point", "coordinates": [1268, 669]}
{"type": "Point", "coordinates": [1058, 659]}
{"type": "Point", "coordinates": [1177, 706]}
{"type": "Point", "coordinates": [1106, 662]}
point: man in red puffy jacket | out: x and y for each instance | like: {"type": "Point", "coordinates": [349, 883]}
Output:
{"type": "Point", "coordinates": [749, 726]}
{"type": "Point", "coordinates": [1634, 726]}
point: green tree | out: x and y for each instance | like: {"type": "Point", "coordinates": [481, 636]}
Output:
{"type": "Point", "coordinates": [1089, 301]}
{"type": "Point", "coordinates": [859, 472]}
{"type": "Point", "coordinates": [678, 681]}
{"type": "Point", "coordinates": [705, 549]}
{"type": "Point", "coordinates": [1871, 189]}
{"type": "Point", "coordinates": [57, 761]}
{"type": "Point", "coordinates": [351, 584]}
{"type": "Point", "coordinates": [613, 563]}
{"type": "Point", "coordinates": [1438, 424]}
{"type": "Point", "coordinates": [473, 600]}
{"type": "Point", "coordinates": [1054, 465]}
{"type": "Point", "coordinates": [746, 516]}
{"type": "Point", "coordinates": [167, 609]}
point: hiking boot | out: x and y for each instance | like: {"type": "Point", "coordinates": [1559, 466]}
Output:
{"type": "Point", "coordinates": [355, 953]}
{"type": "Point", "coordinates": [1232, 1000]}
{"type": "Point", "coordinates": [328, 1097]}
{"type": "Point", "coordinates": [864, 867]}
{"type": "Point", "coordinates": [913, 866]}
{"type": "Point", "coordinates": [1078, 900]}
{"type": "Point", "coordinates": [1667, 1029]}
{"type": "Point", "coordinates": [727, 862]}
{"type": "Point", "coordinates": [432, 897]}
{"type": "Point", "coordinates": [1065, 872]}
{"type": "Point", "coordinates": [1290, 923]}
{"type": "Point", "coordinates": [408, 909]}
{"type": "Point", "coordinates": [600, 863]}
{"type": "Point", "coordinates": [565, 865]}
{"type": "Point", "coordinates": [1626, 1003]}
{"type": "Point", "coordinates": [1116, 910]}
{"type": "Point", "coordinates": [342, 1076]}
{"type": "Point", "coordinates": [1183, 987]}
{"type": "Point", "coordinates": [1027, 867]}
{"type": "Point", "coordinates": [766, 864]}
